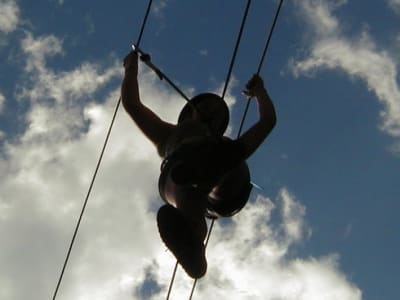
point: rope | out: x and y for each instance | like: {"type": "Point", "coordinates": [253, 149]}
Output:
{"type": "Point", "coordinates": [145, 58]}
{"type": "Point", "coordinates": [172, 280]}
{"type": "Point", "coordinates": [96, 170]}
{"type": "Point", "coordinates": [261, 61]}
{"type": "Point", "coordinates": [248, 101]}
{"type": "Point", "coordinates": [84, 204]}
{"type": "Point", "coordinates": [205, 245]}
{"type": "Point", "coordinates": [228, 76]}
{"type": "Point", "coordinates": [144, 22]}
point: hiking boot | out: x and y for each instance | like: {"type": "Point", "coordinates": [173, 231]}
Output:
{"type": "Point", "coordinates": [180, 237]}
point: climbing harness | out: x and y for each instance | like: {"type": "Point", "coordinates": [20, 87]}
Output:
{"type": "Point", "coordinates": [147, 60]}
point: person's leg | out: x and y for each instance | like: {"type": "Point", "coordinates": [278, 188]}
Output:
{"type": "Point", "coordinates": [190, 201]}
{"type": "Point", "coordinates": [181, 239]}
{"type": "Point", "coordinates": [182, 223]}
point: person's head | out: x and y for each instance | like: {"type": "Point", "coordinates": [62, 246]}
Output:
{"type": "Point", "coordinates": [209, 109]}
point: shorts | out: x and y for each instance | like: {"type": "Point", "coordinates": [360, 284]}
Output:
{"type": "Point", "coordinates": [214, 166]}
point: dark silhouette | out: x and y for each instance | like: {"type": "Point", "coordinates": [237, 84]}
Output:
{"type": "Point", "coordinates": [203, 172]}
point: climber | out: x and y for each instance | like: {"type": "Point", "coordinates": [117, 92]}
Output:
{"type": "Point", "coordinates": [198, 160]}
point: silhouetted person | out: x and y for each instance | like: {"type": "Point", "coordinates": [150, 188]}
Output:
{"type": "Point", "coordinates": [202, 170]}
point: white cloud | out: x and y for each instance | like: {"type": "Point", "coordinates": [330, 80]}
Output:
{"type": "Point", "coordinates": [318, 14]}
{"type": "Point", "coordinates": [293, 214]}
{"type": "Point", "coordinates": [9, 16]}
{"type": "Point", "coordinates": [394, 4]}
{"type": "Point", "coordinates": [358, 57]}
{"type": "Point", "coordinates": [158, 8]}
{"type": "Point", "coordinates": [203, 52]}
{"type": "Point", "coordinates": [249, 260]}
{"type": "Point", "coordinates": [63, 86]}
{"type": "Point", "coordinates": [45, 173]}
{"type": "Point", "coordinates": [2, 101]}
{"type": "Point", "coordinates": [69, 90]}
{"type": "Point", "coordinates": [158, 11]}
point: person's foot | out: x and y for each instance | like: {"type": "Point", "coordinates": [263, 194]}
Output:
{"type": "Point", "coordinates": [180, 237]}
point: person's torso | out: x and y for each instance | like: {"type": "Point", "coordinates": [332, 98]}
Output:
{"type": "Point", "coordinates": [184, 132]}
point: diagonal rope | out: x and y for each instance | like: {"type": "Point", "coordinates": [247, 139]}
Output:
{"type": "Point", "coordinates": [84, 205]}
{"type": "Point", "coordinates": [248, 102]}
{"type": "Point", "coordinates": [144, 23]}
{"type": "Point", "coordinates": [261, 62]}
{"type": "Point", "coordinates": [172, 280]}
{"type": "Point", "coordinates": [146, 59]}
{"type": "Point", "coordinates": [269, 37]}
{"type": "Point", "coordinates": [96, 170]}
{"type": "Point", "coordinates": [245, 112]}
{"type": "Point", "coordinates": [176, 266]}
{"type": "Point", "coordinates": [228, 76]}
{"type": "Point", "coordinates": [205, 246]}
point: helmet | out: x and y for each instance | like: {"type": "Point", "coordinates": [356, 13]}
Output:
{"type": "Point", "coordinates": [212, 109]}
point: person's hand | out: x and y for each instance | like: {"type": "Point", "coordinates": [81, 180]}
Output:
{"type": "Point", "coordinates": [131, 62]}
{"type": "Point", "coordinates": [254, 86]}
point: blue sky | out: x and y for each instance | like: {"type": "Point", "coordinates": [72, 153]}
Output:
{"type": "Point", "coordinates": [324, 223]}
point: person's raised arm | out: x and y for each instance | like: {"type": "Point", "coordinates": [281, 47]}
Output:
{"type": "Point", "coordinates": [155, 129]}
{"type": "Point", "coordinates": [256, 134]}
